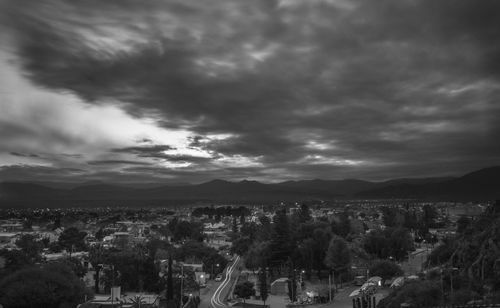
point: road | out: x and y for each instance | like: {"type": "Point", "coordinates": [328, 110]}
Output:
{"type": "Point", "coordinates": [342, 299]}
{"type": "Point", "coordinates": [416, 260]}
{"type": "Point", "coordinates": [231, 275]}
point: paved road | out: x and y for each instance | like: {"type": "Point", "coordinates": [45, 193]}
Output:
{"type": "Point", "coordinates": [342, 299]}
{"type": "Point", "coordinates": [416, 261]}
{"type": "Point", "coordinates": [207, 293]}
{"type": "Point", "coordinates": [231, 275]}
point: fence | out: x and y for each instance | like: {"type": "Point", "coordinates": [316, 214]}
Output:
{"type": "Point", "coordinates": [469, 306]}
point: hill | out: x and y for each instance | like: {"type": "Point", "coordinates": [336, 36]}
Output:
{"type": "Point", "coordinates": [483, 184]}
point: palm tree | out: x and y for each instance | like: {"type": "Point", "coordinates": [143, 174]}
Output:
{"type": "Point", "coordinates": [137, 301]}
{"type": "Point", "coordinates": [140, 255]}
{"type": "Point", "coordinates": [96, 258]}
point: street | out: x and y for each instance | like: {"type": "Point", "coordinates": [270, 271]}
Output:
{"type": "Point", "coordinates": [223, 289]}
{"type": "Point", "coordinates": [215, 293]}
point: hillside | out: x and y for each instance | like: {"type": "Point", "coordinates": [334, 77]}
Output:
{"type": "Point", "coordinates": [483, 184]}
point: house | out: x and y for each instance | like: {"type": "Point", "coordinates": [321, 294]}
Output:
{"type": "Point", "coordinates": [279, 286]}
{"type": "Point", "coordinates": [127, 300]}
{"type": "Point", "coordinates": [7, 238]}
{"type": "Point", "coordinates": [11, 227]}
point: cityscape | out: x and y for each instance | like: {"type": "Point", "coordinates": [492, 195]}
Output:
{"type": "Point", "coordinates": [249, 154]}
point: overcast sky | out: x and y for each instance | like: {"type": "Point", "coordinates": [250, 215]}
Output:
{"type": "Point", "coordinates": [192, 90]}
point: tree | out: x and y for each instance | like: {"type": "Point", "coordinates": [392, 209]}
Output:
{"type": "Point", "coordinates": [75, 265]}
{"type": "Point", "coordinates": [265, 229]}
{"type": "Point", "coordinates": [14, 260]}
{"type": "Point", "coordinates": [57, 223]}
{"type": "Point", "coordinates": [241, 245]}
{"type": "Point", "coordinates": [281, 242]}
{"type": "Point", "coordinates": [429, 215]}
{"type": "Point", "coordinates": [306, 251]}
{"type": "Point", "coordinates": [51, 286]}
{"type": "Point", "coordinates": [442, 253]}
{"type": "Point", "coordinates": [462, 223]}
{"type": "Point", "coordinates": [170, 285]}
{"type": "Point", "coordinates": [97, 256]}
{"type": "Point", "coordinates": [263, 284]}
{"type": "Point", "coordinates": [311, 251]}
{"type": "Point", "coordinates": [132, 269]}
{"type": "Point", "coordinates": [250, 230]}
{"type": "Point", "coordinates": [391, 242]}
{"type": "Point", "coordinates": [184, 230]}
{"type": "Point", "coordinates": [138, 301]}
{"type": "Point", "coordinates": [30, 247]}
{"type": "Point", "coordinates": [244, 290]}
{"type": "Point", "coordinates": [292, 282]}
{"type": "Point", "coordinates": [391, 216]}
{"type": "Point", "coordinates": [72, 239]}
{"type": "Point", "coordinates": [385, 269]}
{"type": "Point", "coordinates": [257, 254]}
{"type": "Point", "coordinates": [418, 294]}
{"type": "Point", "coordinates": [28, 224]}
{"type": "Point", "coordinates": [139, 252]}
{"type": "Point", "coordinates": [320, 237]}
{"type": "Point", "coordinates": [304, 213]}
{"type": "Point", "coordinates": [338, 256]}
{"type": "Point", "coordinates": [234, 227]}
{"type": "Point", "coordinates": [99, 235]}
{"type": "Point", "coordinates": [342, 225]}
{"type": "Point", "coordinates": [154, 245]}
{"type": "Point", "coordinates": [400, 242]}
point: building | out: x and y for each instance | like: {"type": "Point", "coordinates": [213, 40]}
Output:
{"type": "Point", "coordinates": [7, 238]}
{"type": "Point", "coordinates": [279, 286]}
{"type": "Point", "coordinates": [128, 300]}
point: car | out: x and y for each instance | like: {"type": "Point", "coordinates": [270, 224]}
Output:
{"type": "Point", "coordinates": [218, 277]}
{"type": "Point", "coordinates": [359, 280]}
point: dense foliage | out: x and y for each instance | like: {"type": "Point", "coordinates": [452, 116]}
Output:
{"type": "Point", "coordinates": [418, 294]}
{"type": "Point", "coordinates": [244, 290]}
{"type": "Point", "coordinates": [48, 286]}
{"type": "Point", "coordinates": [385, 269]}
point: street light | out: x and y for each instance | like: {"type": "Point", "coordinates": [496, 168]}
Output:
{"type": "Point", "coordinates": [453, 269]}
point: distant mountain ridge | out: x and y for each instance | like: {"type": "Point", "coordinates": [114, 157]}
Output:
{"type": "Point", "coordinates": [483, 184]}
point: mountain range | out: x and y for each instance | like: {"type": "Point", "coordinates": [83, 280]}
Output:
{"type": "Point", "coordinates": [479, 185]}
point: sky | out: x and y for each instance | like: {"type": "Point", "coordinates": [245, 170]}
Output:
{"type": "Point", "coordinates": [270, 90]}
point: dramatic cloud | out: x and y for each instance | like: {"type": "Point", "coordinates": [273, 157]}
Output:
{"type": "Point", "coordinates": [265, 89]}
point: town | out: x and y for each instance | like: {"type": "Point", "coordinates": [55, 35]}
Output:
{"type": "Point", "coordinates": [341, 254]}
{"type": "Point", "coordinates": [249, 154]}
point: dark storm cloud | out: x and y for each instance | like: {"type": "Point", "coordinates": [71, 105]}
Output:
{"type": "Point", "coordinates": [158, 152]}
{"type": "Point", "coordinates": [145, 140]}
{"type": "Point", "coordinates": [117, 162]}
{"type": "Point", "coordinates": [23, 154]}
{"type": "Point", "coordinates": [39, 173]}
{"type": "Point", "coordinates": [313, 88]}
{"type": "Point", "coordinates": [199, 176]}
{"type": "Point", "coordinates": [145, 151]}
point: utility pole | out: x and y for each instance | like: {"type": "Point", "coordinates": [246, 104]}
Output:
{"type": "Point", "coordinates": [453, 269]}
{"type": "Point", "coordinates": [182, 280]}
{"type": "Point", "coordinates": [330, 287]}
{"type": "Point", "coordinates": [442, 287]}
{"type": "Point", "coordinates": [112, 285]}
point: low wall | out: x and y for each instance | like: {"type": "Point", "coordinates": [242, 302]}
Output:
{"type": "Point", "coordinates": [249, 305]}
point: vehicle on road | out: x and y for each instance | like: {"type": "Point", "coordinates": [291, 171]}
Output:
{"type": "Point", "coordinates": [359, 280]}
